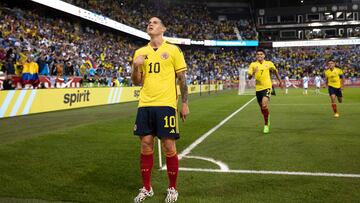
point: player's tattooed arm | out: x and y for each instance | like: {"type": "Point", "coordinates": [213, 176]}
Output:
{"type": "Point", "coordinates": [183, 86]}
{"type": "Point", "coordinates": [184, 94]}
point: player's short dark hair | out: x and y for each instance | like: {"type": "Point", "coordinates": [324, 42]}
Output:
{"type": "Point", "coordinates": [161, 19]}
{"type": "Point", "coordinates": [261, 50]}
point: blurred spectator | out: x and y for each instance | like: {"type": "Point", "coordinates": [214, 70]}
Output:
{"type": "Point", "coordinates": [30, 73]}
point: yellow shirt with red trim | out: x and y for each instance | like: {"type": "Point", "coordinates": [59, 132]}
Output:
{"type": "Point", "coordinates": [262, 76]}
{"type": "Point", "coordinates": [159, 74]}
{"type": "Point", "coordinates": [333, 77]}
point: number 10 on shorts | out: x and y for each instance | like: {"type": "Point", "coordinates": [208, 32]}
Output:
{"type": "Point", "coordinates": [169, 121]}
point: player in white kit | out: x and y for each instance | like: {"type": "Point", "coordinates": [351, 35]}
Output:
{"type": "Point", "coordinates": [317, 81]}
{"type": "Point", "coordinates": [305, 83]}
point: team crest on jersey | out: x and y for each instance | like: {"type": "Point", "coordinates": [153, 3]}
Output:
{"type": "Point", "coordinates": [164, 56]}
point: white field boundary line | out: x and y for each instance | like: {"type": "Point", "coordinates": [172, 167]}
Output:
{"type": "Point", "coordinates": [204, 136]}
{"type": "Point", "coordinates": [272, 172]}
{"type": "Point", "coordinates": [222, 165]}
{"type": "Point", "coordinates": [187, 150]}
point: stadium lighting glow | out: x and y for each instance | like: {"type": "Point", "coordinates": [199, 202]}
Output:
{"type": "Point", "coordinates": [103, 20]}
{"type": "Point", "coordinates": [315, 24]}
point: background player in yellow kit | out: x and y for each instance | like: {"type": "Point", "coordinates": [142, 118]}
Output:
{"type": "Point", "coordinates": [260, 70]}
{"type": "Point", "coordinates": [333, 76]}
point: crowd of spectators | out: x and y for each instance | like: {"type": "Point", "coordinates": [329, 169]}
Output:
{"type": "Point", "coordinates": [57, 48]}
{"type": "Point", "coordinates": [295, 61]}
{"type": "Point", "coordinates": [223, 64]}
{"type": "Point", "coordinates": [182, 19]}
{"type": "Point", "coordinates": [61, 48]}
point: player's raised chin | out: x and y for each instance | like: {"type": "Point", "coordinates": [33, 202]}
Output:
{"type": "Point", "coordinates": [155, 27]}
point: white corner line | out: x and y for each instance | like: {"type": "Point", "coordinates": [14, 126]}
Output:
{"type": "Point", "coordinates": [204, 136]}
{"type": "Point", "coordinates": [222, 165]}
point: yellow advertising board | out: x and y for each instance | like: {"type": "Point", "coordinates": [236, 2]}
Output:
{"type": "Point", "coordinates": [23, 102]}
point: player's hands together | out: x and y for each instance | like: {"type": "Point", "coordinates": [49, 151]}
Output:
{"type": "Point", "coordinates": [184, 111]}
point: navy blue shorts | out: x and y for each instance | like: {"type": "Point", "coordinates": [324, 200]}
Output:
{"type": "Point", "coordinates": [336, 91]}
{"type": "Point", "coordinates": [160, 121]}
{"type": "Point", "coordinates": [263, 93]}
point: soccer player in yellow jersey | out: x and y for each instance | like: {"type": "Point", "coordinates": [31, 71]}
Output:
{"type": "Point", "coordinates": [157, 66]}
{"type": "Point", "coordinates": [334, 82]}
{"type": "Point", "coordinates": [260, 70]}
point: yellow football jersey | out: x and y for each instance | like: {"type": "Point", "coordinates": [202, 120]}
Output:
{"type": "Point", "coordinates": [333, 77]}
{"type": "Point", "coordinates": [262, 76]}
{"type": "Point", "coordinates": [159, 74]}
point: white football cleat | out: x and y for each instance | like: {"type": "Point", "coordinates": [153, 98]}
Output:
{"type": "Point", "coordinates": [143, 194]}
{"type": "Point", "coordinates": [172, 195]}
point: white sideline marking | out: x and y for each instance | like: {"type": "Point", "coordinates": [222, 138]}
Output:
{"type": "Point", "coordinates": [187, 150]}
{"type": "Point", "coordinates": [273, 172]}
{"type": "Point", "coordinates": [204, 136]}
{"type": "Point", "coordinates": [223, 166]}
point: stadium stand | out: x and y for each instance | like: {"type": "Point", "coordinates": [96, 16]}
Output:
{"type": "Point", "coordinates": [187, 20]}
{"type": "Point", "coordinates": [66, 49]}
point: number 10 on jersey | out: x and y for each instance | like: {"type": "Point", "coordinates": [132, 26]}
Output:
{"type": "Point", "coordinates": [155, 69]}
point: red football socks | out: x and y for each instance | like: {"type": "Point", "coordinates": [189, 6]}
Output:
{"type": "Point", "coordinates": [146, 164]}
{"type": "Point", "coordinates": [172, 164]}
{"type": "Point", "coordinates": [265, 112]}
{"type": "Point", "coordinates": [334, 108]}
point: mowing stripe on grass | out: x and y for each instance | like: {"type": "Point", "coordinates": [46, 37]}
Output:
{"type": "Point", "coordinates": [319, 104]}
{"type": "Point", "coordinates": [321, 93]}
{"type": "Point", "coordinates": [204, 136]}
{"type": "Point", "coordinates": [273, 172]}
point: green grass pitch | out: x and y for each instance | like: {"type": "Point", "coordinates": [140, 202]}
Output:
{"type": "Point", "coordinates": [90, 154]}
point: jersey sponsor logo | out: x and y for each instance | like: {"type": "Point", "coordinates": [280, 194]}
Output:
{"type": "Point", "coordinates": [164, 56]}
{"type": "Point", "coordinates": [136, 93]}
